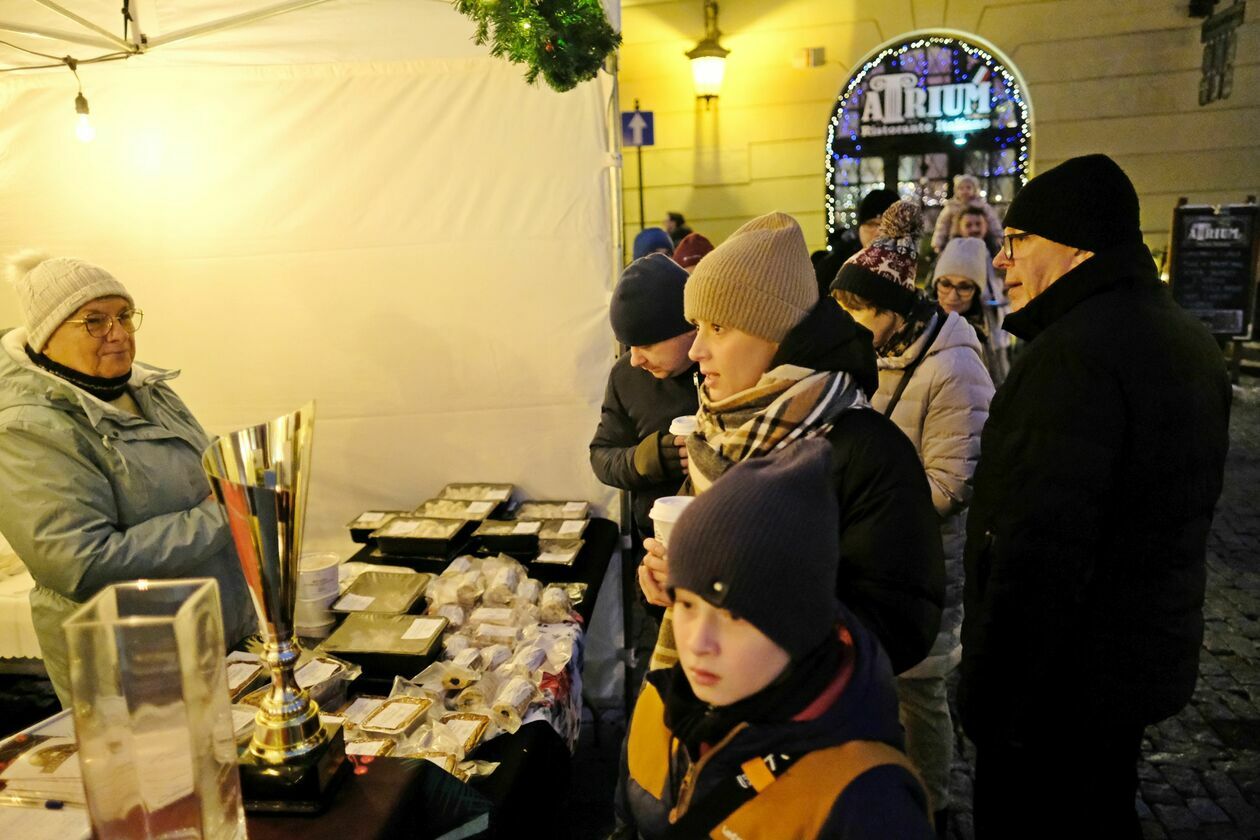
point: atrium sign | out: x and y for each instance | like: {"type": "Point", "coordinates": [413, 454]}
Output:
{"type": "Point", "coordinates": [901, 103]}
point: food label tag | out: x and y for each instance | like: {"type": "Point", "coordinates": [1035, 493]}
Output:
{"type": "Point", "coordinates": [464, 729]}
{"type": "Point", "coordinates": [351, 602]}
{"type": "Point", "coordinates": [574, 507]}
{"type": "Point", "coordinates": [239, 673]}
{"type": "Point", "coordinates": [479, 508]}
{"type": "Point", "coordinates": [497, 495]}
{"type": "Point", "coordinates": [314, 673]}
{"type": "Point", "coordinates": [572, 526]}
{"type": "Point", "coordinates": [423, 628]}
{"type": "Point", "coordinates": [361, 708]}
{"type": "Point", "coordinates": [393, 715]}
{"type": "Point", "coordinates": [526, 527]}
{"type": "Point", "coordinates": [561, 557]}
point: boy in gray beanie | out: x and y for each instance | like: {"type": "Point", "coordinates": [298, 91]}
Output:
{"type": "Point", "coordinates": [770, 664]}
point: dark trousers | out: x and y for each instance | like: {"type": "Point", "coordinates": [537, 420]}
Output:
{"type": "Point", "coordinates": [1082, 784]}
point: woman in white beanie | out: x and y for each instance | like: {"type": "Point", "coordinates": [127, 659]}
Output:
{"type": "Point", "coordinates": [934, 386]}
{"type": "Point", "coordinates": [964, 283]}
{"type": "Point", "coordinates": [100, 461]}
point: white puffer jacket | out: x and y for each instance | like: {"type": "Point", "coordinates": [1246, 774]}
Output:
{"type": "Point", "coordinates": [942, 410]}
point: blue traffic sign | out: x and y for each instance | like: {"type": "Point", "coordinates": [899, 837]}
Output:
{"type": "Point", "coordinates": [637, 128]}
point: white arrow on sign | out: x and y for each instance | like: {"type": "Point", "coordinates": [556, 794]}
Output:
{"type": "Point", "coordinates": [637, 124]}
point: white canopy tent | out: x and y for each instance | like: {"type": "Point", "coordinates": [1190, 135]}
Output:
{"type": "Point", "coordinates": [348, 201]}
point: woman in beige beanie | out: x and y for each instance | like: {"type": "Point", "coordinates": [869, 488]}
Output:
{"type": "Point", "coordinates": [100, 461]}
{"type": "Point", "coordinates": [779, 366]}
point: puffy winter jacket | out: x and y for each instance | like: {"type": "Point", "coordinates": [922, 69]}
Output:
{"type": "Point", "coordinates": [93, 495]}
{"type": "Point", "coordinates": [942, 411]}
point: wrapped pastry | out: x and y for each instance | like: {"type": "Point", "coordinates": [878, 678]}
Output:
{"type": "Point", "coordinates": [494, 656]}
{"type": "Point", "coordinates": [555, 606]}
{"type": "Point", "coordinates": [370, 747]}
{"type": "Point", "coordinates": [442, 591]}
{"type": "Point", "coordinates": [453, 613]}
{"type": "Point", "coordinates": [468, 727]}
{"type": "Point", "coordinates": [512, 701]}
{"type": "Point", "coordinates": [528, 592]}
{"type": "Point", "coordinates": [496, 634]}
{"type": "Point", "coordinates": [469, 588]}
{"type": "Point", "coordinates": [529, 659]}
{"type": "Point", "coordinates": [469, 659]}
{"type": "Point", "coordinates": [458, 566]}
{"type": "Point", "coordinates": [501, 588]}
{"type": "Point", "coordinates": [455, 644]}
{"type": "Point", "coordinates": [444, 760]}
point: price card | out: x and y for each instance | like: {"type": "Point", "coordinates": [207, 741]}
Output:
{"type": "Point", "coordinates": [480, 508]}
{"type": "Point", "coordinates": [361, 708]}
{"type": "Point", "coordinates": [315, 672]}
{"type": "Point", "coordinates": [527, 527]}
{"type": "Point", "coordinates": [423, 628]}
{"type": "Point", "coordinates": [572, 526]}
{"type": "Point", "coordinates": [351, 602]}
{"type": "Point", "coordinates": [239, 673]}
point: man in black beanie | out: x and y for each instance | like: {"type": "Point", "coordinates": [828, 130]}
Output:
{"type": "Point", "coordinates": [1100, 465]}
{"type": "Point", "coordinates": [650, 385]}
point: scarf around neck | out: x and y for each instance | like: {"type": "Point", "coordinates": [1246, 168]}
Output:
{"type": "Point", "coordinates": [917, 322]}
{"type": "Point", "coordinates": [103, 388]}
{"type": "Point", "coordinates": [788, 403]}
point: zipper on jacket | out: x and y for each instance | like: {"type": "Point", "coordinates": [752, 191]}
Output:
{"type": "Point", "coordinates": [693, 772]}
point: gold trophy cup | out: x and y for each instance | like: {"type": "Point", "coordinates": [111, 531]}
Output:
{"type": "Point", "coordinates": [260, 476]}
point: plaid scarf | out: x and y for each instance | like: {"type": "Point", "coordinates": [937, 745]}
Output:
{"type": "Point", "coordinates": [787, 404]}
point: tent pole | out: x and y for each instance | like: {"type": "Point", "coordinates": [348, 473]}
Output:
{"type": "Point", "coordinates": [56, 35]}
{"type": "Point", "coordinates": [87, 24]}
{"type": "Point", "coordinates": [231, 22]}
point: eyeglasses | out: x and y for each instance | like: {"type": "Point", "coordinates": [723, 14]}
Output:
{"type": "Point", "coordinates": [99, 326]}
{"type": "Point", "coordinates": [963, 290]}
{"type": "Point", "coordinates": [1008, 243]}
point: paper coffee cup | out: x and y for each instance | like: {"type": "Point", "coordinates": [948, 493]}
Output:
{"type": "Point", "coordinates": [665, 512]}
{"type": "Point", "coordinates": [317, 575]}
{"type": "Point", "coordinates": [684, 425]}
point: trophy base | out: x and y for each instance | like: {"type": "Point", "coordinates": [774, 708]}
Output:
{"type": "Point", "coordinates": [304, 785]}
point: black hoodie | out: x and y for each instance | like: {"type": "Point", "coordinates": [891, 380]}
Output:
{"type": "Point", "coordinates": [892, 567]}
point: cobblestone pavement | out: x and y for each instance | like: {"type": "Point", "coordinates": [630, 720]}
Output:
{"type": "Point", "coordinates": [1200, 771]}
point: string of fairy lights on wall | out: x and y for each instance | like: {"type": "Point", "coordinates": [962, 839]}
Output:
{"type": "Point", "coordinates": [845, 137]}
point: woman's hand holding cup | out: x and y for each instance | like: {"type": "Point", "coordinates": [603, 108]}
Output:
{"type": "Point", "coordinates": [653, 572]}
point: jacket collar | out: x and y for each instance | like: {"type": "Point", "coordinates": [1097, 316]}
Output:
{"type": "Point", "coordinates": [829, 339]}
{"type": "Point", "coordinates": [48, 389]}
{"type": "Point", "coordinates": [1122, 265]}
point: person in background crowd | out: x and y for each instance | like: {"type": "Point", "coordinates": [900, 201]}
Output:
{"type": "Point", "coordinates": [973, 223]}
{"type": "Point", "coordinates": [652, 240]}
{"type": "Point", "coordinates": [962, 282]}
{"type": "Point", "coordinates": [100, 461]}
{"type": "Point", "coordinates": [676, 226]}
{"type": "Point", "coordinates": [966, 194]}
{"type": "Point", "coordinates": [849, 242]}
{"type": "Point", "coordinates": [781, 366]}
{"type": "Point", "coordinates": [1100, 466]}
{"type": "Point", "coordinates": [779, 720]}
{"type": "Point", "coordinates": [691, 250]}
{"type": "Point", "coordinates": [933, 385]}
{"type": "Point", "coordinates": [649, 385]}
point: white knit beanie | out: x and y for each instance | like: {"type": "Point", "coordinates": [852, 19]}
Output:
{"type": "Point", "coordinates": [964, 257]}
{"type": "Point", "coordinates": [51, 289]}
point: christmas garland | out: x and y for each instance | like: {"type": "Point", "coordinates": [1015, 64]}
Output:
{"type": "Point", "coordinates": [564, 40]}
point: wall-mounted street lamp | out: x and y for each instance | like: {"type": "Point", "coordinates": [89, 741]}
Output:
{"type": "Point", "coordinates": [708, 59]}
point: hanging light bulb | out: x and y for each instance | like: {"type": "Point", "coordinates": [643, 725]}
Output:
{"type": "Point", "coordinates": [83, 128]}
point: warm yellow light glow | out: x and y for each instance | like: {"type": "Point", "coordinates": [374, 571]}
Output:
{"type": "Point", "coordinates": [83, 129]}
{"type": "Point", "coordinates": [708, 71]}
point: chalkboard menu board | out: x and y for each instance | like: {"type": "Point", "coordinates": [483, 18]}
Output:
{"type": "Point", "coordinates": [1212, 270]}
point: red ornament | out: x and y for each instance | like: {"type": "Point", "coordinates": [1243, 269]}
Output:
{"type": "Point", "coordinates": [549, 47]}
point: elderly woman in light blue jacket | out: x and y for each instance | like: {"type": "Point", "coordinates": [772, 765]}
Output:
{"type": "Point", "coordinates": [100, 461]}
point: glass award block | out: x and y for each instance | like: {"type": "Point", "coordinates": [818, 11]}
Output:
{"type": "Point", "coordinates": [151, 712]}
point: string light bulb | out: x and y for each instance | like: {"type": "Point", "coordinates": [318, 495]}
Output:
{"type": "Point", "coordinates": [83, 128]}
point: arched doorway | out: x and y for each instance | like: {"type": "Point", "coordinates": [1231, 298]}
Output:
{"type": "Point", "coordinates": [919, 110]}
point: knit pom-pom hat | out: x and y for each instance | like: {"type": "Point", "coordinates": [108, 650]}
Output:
{"type": "Point", "coordinates": [51, 289]}
{"type": "Point", "coordinates": [883, 272]}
